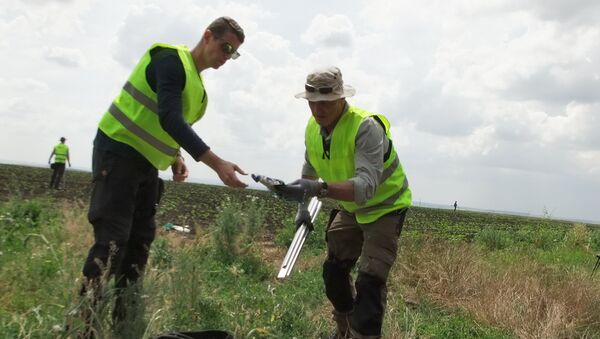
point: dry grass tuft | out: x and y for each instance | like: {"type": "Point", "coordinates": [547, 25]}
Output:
{"type": "Point", "coordinates": [77, 228]}
{"type": "Point", "coordinates": [528, 298]}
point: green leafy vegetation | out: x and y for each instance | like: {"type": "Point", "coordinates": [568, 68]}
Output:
{"type": "Point", "coordinates": [458, 274]}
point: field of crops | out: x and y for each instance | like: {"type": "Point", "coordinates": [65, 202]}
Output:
{"type": "Point", "coordinates": [198, 204]}
{"type": "Point", "coordinates": [458, 275]}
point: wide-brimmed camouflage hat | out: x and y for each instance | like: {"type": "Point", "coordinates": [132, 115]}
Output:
{"type": "Point", "coordinates": [325, 84]}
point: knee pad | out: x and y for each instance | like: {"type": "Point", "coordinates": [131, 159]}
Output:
{"type": "Point", "coordinates": [96, 261]}
{"type": "Point", "coordinates": [366, 280]}
{"type": "Point", "coordinates": [338, 288]}
{"type": "Point", "coordinates": [370, 290]}
{"type": "Point", "coordinates": [335, 270]}
{"type": "Point", "coordinates": [135, 261]}
{"type": "Point", "coordinates": [98, 257]}
{"type": "Point", "coordinates": [367, 318]}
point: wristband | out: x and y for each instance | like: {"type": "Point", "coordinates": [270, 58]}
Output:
{"type": "Point", "coordinates": [323, 191]}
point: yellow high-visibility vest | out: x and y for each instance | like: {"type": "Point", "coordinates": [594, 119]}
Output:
{"type": "Point", "coordinates": [60, 153]}
{"type": "Point", "coordinates": [392, 193]}
{"type": "Point", "coordinates": [132, 118]}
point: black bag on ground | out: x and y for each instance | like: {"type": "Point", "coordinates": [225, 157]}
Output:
{"type": "Point", "coordinates": [210, 334]}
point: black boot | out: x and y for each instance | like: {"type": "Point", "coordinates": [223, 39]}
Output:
{"type": "Point", "coordinates": [342, 320]}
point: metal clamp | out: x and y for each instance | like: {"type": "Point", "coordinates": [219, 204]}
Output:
{"type": "Point", "coordinates": [314, 206]}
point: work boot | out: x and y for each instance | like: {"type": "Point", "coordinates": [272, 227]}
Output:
{"type": "Point", "coordinates": [356, 335]}
{"type": "Point", "coordinates": [342, 320]}
{"type": "Point", "coordinates": [90, 297]}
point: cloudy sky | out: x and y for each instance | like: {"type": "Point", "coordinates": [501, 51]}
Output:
{"type": "Point", "coordinates": [493, 103]}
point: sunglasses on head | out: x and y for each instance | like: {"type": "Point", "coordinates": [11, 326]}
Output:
{"type": "Point", "coordinates": [228, 49]}
{"type": "Point", "coordinates": [321, 90]}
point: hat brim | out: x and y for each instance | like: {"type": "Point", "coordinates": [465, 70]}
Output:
{"type": "Point", "coordinates": [316, 96]}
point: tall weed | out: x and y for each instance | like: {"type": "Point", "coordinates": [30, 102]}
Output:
{"type": "Point", "coordinates": [577, 236]}
{"type": "Point", "coordinates": [595, 240]}
{"type": "Point", "coordinates": [235, 230]}
{"type": "Point", "coordinates": [493, 239]}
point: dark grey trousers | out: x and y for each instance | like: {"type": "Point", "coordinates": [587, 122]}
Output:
{"type": "Point", "coordinates": [123, 204]}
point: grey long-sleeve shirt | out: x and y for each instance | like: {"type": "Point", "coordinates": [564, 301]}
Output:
{"type": "Point", "coordinates": [370, 145]}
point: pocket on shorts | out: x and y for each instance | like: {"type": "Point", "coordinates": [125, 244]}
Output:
{"type": "Point", "coordinates": [102, 166]}
{"type": "Point", "coordinates": [332, 215]}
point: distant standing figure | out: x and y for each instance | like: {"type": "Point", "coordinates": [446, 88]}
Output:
{"type": "Point", "coordinates": [61, 154]}
{"type": "Point", "coordinates": [455, 205]}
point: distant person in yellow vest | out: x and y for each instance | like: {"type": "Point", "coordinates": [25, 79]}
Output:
{"type": "Point", "coordinates": [142, 132]}
{"type": "Point", "coordinates": [61, 155]}
{"type": "Point", "coordinates": [351, 150]}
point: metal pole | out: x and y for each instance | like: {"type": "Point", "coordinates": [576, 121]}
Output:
{"type": "Point", "coordinates": [597, 264]}
{"type": "Point", "coordinates": [298, 241]}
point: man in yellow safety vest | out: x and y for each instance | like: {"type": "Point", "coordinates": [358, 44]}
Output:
{"type": "Point", "coordinates": [142, 132]}
{"type": "Point", "coordinates": [351, 150]}
{"type": "Point", "coordinates": [61, 155]}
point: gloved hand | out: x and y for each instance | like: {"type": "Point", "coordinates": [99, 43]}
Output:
{"type": "Point", "coordinates": [303, 216]}
{"type": "Point", "coordinates": [299, 191]}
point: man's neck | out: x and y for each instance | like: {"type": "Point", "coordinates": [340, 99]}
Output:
{"type": "Point", "coordinates": [197, 53]}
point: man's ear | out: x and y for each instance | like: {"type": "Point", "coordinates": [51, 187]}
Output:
{"type": "Point", "coordinates": [207, 34]}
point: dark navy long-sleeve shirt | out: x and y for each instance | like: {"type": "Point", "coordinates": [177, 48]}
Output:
{"type": "Point", "coordinates": [166, 77]}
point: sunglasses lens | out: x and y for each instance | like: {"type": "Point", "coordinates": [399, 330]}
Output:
{"type": "Point", "coordinates": [227, 48]}
{"type": "Point", "coordinates": [309, 88]}
{"type": "Point", "coordinates": [322, 90]}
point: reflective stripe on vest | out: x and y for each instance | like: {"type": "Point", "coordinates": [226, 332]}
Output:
{"type": "Point", "coordinates": [60, 153]}
{"type": "Point", "coordinates": [140, 132]}
{"type": "Point", "coordinates": [393, 192]}
{"type": "Point", "coordinates": [133, 118]}
{"type": "Point", "coordinates": [141, 97]}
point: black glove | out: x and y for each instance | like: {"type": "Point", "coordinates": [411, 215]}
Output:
{"type": "Point", "coordinates": [299, 191]}
{"type": "Point", "coordinates": [303, 217]}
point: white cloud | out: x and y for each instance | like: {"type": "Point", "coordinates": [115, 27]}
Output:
{"type": "Point", "coordinates": [494, 101]}
{"type": "Point", "coordinates": [480, 143]}
{"type": "Point", "coordinates": [574, 12]}
{"type": "Point", "coordinates": [577, 129]}
{"type": "Point", "coordinates": [22, 84]}
{"type": "Point", "coordinates": [175, 22]}
{"type": "Point", "coordinates": [589, 162]}
{"type": "Point", "coordinates": [330, 31]}
{"type": "Point", "coordinates": [44, 2]}
{"type": "Point", "coordinates": [68, 57]}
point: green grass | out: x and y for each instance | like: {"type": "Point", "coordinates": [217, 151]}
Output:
{"type": "Point", "coordinates": [431, 321]}
{"type": "Point", "coordinates": [223, 275]}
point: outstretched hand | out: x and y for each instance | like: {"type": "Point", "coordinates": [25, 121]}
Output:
{"type": "Point", "coordinates": [226, 171]}
{"type": "Point", "coordinates": [299, 191]}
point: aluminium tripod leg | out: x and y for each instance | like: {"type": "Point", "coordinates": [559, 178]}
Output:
{"type": "Point", "coordinates": [301, 233]}
{"type": "Point", "coordinates": [597, 264]}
